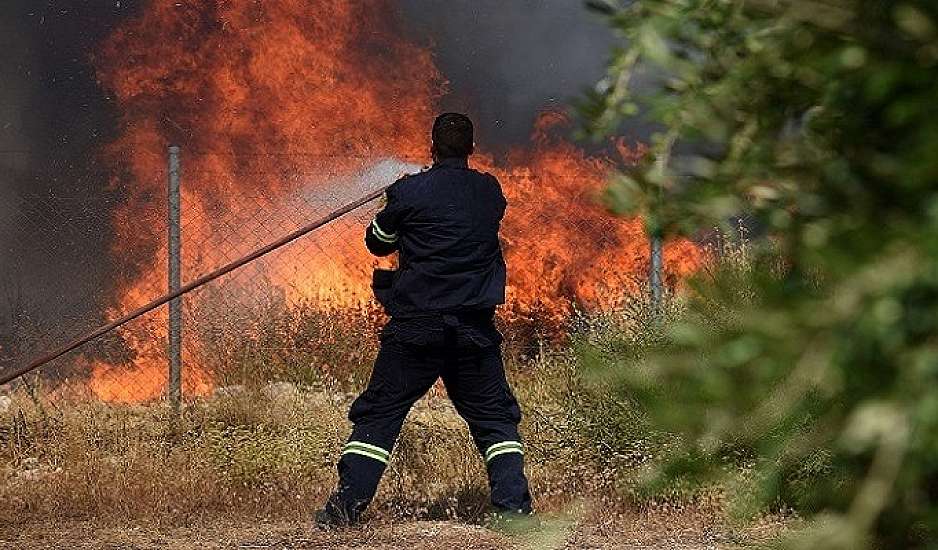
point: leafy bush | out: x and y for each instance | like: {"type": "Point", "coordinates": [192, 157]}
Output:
{"type": "Point", "coordinates": [819, 121]}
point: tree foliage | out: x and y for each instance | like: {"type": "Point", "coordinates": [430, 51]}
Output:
{"type": "Point", "coordinates": [819, 364]}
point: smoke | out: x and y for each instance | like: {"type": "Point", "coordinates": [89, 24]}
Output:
{"type": "Point", "coordinates": [508, 60]}
{"type": "Point", "coordinates": [16, 93]}
{"type": "Point", "coordinates": [53, 120]}
{"type": "Point", "coordinates": [16, 58]}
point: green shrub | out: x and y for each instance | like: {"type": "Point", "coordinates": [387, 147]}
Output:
{"type": "Point", "coordinates": [818, 121]}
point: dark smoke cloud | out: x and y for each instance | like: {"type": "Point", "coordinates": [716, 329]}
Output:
{"type": "Point", "coordinates": [506, 60]}
{"type": "Point", "coordinates": [53, 119]}
{"type": "Point", "coordinates": [17, 60]}
{"type": "Point", "coordinates": [16, 92]}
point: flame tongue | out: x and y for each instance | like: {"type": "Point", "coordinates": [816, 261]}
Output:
{"type": "Point", "coordinates": [286, 109]}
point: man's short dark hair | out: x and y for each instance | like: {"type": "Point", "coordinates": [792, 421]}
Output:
{"type": "Point", "coordinates": [452, 136]}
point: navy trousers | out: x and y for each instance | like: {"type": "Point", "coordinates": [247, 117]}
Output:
{"type": "Point", "coordinates": [465, 352]}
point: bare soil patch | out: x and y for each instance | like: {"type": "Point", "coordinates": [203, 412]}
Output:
{"type": "Point", "coordinates": [657, 530]}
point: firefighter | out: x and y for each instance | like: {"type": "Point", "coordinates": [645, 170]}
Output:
{"type": "Point", "coordinates": [441, 300]}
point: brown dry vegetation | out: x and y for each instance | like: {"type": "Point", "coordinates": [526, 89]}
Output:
{"type": "Point", "coordinates": [268, 451]}
{"type": "Point", "coordinates": [248, 464]}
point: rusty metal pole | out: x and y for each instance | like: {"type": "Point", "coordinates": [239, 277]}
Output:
{"type": "Point", "coordinates": [174, 390]}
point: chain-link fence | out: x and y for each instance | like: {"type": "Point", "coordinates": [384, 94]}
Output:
{"type": "Point", "coordinates": [52, 252]}
{"type": "Point", "coordinates": [90, 251]}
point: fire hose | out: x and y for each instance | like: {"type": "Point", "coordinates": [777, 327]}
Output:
{"type": "Point", "coordinates": [6, 378]}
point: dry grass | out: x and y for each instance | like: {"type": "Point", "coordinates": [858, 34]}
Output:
{"type": "Point", "coordinates": [262, 450]}
{"type": "Point", "coordinates": [266, 452]}
{"type": "Point", "coordinates": [245, 468]}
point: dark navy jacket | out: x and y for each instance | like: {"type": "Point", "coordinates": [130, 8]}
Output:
{"type": "Point", "coordinates": [444, 222]}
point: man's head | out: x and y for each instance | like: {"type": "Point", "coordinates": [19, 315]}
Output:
{"type": "Point", "coordinates": [452, 136]}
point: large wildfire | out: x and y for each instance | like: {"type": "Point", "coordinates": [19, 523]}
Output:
{"type": "Point", "coordinates": [303, 103]}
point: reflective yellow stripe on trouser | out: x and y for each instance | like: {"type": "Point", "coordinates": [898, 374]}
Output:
{"type": "Point", "coordinates": [503, 448]}
{"type": "Point", "coordinates": [365, 449]}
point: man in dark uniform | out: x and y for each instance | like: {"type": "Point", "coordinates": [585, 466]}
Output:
{"type": "Point", "coordinates": [444, 223]}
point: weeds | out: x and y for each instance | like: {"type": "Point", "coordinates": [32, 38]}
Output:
{"type": "Point", "coordinates": [269, 451]}
{"type": "Point", "coordinates": [265, 442]}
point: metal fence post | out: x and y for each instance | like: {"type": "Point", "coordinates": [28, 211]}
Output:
{"type": "Point", "coordinates": [175, 275]}
{"type": "Point", "coordinates": [656, 278]}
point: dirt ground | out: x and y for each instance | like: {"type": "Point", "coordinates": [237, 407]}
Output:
{"type": "Point", "coordinates": [641, 532]}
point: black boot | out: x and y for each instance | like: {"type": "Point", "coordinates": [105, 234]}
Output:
{"type": "Point", "coordinates": [334, 516]}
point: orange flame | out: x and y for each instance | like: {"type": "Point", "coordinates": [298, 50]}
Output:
{"type": "Point", "coordinates": [276, 100]}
